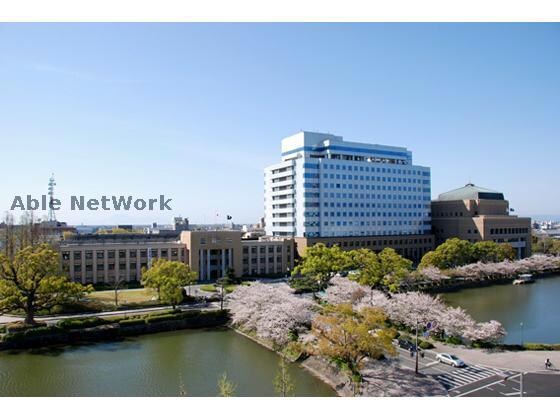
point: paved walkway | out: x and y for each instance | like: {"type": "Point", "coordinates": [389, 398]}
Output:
{"type": "Point", "coordinates": [521, 361]}
{"type": "Point", "coordinates": [6, 319]}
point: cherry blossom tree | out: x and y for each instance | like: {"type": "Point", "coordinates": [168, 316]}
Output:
{"type": "Point", "coordinates": [432, 274]}
{"type": "Point", "coordinates": [270, 311]}
{"type": "Point", "coordinates": [342, 290]}
{"type": "Point", "coordinates": [487, 332]}
{"type": "Point", "coordinates": [455, 322]}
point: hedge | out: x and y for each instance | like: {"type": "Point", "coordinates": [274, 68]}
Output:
{"type": "Point", "coordinates": [32, 332]}
{"type": "Point", "coordinates": [132, 322]}
{"type": "Point", "coordinates": [210, 316]}
{"type": "Point", "coordinates": [79, 323]}
{"type": "Point", "coordinates": [541, 346]}
{"type": "Point", "coordinates": [161, 318]}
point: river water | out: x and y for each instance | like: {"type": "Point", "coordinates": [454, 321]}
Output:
{"type": "Point", "coordinates": [151, 365]}
{"type": "Point", "coordinates": [530, 312]}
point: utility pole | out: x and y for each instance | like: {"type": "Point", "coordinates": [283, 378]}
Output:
{"type": "Point", "coordinates": [416, 345]}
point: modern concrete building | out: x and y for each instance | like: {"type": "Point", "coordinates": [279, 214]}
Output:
{"type": "Point", "coordinates": [105, 258]}
{"type": "Point", "coordinates": [479, 214]}
{"type": "Point", "coordinates": [334, 191]}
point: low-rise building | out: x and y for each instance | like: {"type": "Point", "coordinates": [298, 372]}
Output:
{"type": "Point", "coordinates": [478, 214]}
{"type": "Point", "coordinates": [107, 258]}
{"type": "Point", "coordinates": [111, 257]}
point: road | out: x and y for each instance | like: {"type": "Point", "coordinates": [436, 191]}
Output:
{"type": "Point", "coordinates": [483, 381]}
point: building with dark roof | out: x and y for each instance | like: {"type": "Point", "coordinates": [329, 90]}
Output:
{"type": "Point", "coordinates": [477, 214]}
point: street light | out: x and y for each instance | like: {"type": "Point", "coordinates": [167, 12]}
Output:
{"type": "Point", "coordinates": [521, 325]}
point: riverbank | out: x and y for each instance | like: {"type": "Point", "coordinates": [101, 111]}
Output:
{"type": "Point", "coordinates": [431, 279]}
{"type": "Point", "coordinates": [94, 329]}
{"type": "Point", "coordinates": [381, 378]}
{"type": "Point", "coordinates": [460, 283]}
{"type": "Point", "coordinates": [317, 367]}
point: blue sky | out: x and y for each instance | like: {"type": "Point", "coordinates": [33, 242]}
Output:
{"type": "Point", "coordinates": [196, 111]}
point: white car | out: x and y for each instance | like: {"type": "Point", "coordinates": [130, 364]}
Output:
{"type": "Point", "coordinates": [450, 359]}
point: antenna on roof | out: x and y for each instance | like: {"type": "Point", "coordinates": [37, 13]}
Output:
{"type": "Point", "coordinates": [52, 183]}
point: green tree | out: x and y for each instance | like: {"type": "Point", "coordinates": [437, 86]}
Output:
{"type": "Point", "coordinates": [555, 248]}
{"type": "Point", "coordinates": [283, 383]}
{"type": "Point", "coordinates": [168, 278]}
{"type": "Point", "coordinates": [226, 388]}
{"type": "Point", "coordinates": [320, 263]}
{"type": "Point", "coordinates": [349, 336]}
{"type": "Point", "coordinates": [489, 251]}
{"type": "Point", "coordinates": [384, 270]}
{"type": "Point", "coordinates": [32, 281]}
{"type": "Point", "coordinates": [452, 253]}
{"type": "Point", "coordinates": [394, 268]}
{"type": "Point", "coordinates": [546, 245]}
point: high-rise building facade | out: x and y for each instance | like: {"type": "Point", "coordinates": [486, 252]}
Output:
{"type": "Point", "coordinates": [326, 187]}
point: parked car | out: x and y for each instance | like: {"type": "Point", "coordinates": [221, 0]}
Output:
{"type": "Point", "coordinates": [406, 344]}
{"type": "Point", "coordinates": [450, 359]}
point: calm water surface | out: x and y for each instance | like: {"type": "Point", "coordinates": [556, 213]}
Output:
{"type": "Point", "coordinates": [151, 365]}
{"type": "Point", "coordinates": [535, 305]}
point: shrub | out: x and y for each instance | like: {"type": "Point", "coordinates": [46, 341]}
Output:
{"type": "Point", "coordinates": [541, 346]}
{"type": "Point", "coordinates": [453, 340]}
{"type": "Point", "coordinates": [482, 345]}
{"type": "Point", "coordinates": [19, 326]}
{"type": "Point", "coordinates": [161, 318]}
{"type": "Point", "coordinates": [44, 330]}
{"type": "Point", "coordinates": [426, 345]}
{"type": "Point", "coordinates": [2, 329]}
{"type": "Point", "coordinates": [31, 332]}
{"type": "Point", "coordinates": [78, 323]}
{"type": "Point", "coordinates": [131, 322]}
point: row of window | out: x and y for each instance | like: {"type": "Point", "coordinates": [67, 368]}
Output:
{"type": "Point", "coordinates": [508, 231]}
{"type": "Point", "coordinates": [263, 249]}
{"type": "Point", "coordinates": [100, 255]}
{"type": "Point", "coordinates": [367, 223]}
{"type": "Point", "coordinates": [373, 187]}
{"type": "Point", "coordinates": [262, 260]}
{"type": "Point", "coordinates": [368, 178]}
{"type": "Point", "coordinates": [448, 214]}
{"type": "Point", "coordinates": [361, 159]}
{"type": "Point", "coordinates": [110, 267]}
{"type": "Point", "coordinates": [357, 232]}
{"type": "Point", "coordinates": [376, 205]}
{"type": "Point", "coordinates": [254, 271]}
{"type": "Point", "coordinates": [380, 242]}
{"type": "Point", "coordinates": [365, 168]}
{"type": "Point", "coordinates": [414, 214]}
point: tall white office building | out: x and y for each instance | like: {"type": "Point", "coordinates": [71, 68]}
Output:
{"type": "Point", "coordinates": [326, 187]}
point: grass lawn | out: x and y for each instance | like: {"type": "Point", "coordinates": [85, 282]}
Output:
{"type": "Point", "coordinates": [212, 288]}
{"type": "Point", "coordinates": [126, 296]}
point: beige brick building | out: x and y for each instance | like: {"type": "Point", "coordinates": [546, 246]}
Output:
{"type": "Point", "coordinates": [105, 258]}
{"type": "Point", "coordinates": [479, 214]}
